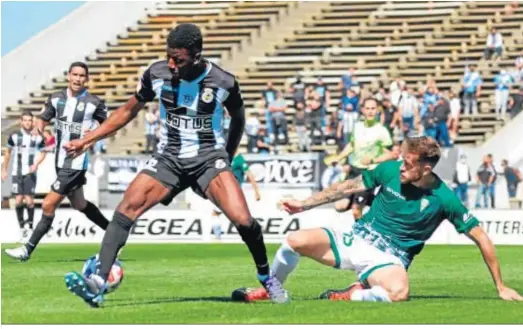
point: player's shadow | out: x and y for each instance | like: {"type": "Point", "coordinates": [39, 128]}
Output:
{"type": "Point", "coordinates": [452, 297]}
{"type": "Point", "coordinates": [72, 260]}
{"type": "Point", "coordinates": [168, 300]}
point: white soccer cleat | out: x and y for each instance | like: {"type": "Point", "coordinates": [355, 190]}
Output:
{"type": "Point", "coordinates": [19, 253]}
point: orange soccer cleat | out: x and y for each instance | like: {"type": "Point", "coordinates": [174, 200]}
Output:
{"type": "Point", "coordinates": [343, 294]}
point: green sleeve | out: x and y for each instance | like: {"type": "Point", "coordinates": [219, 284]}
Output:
{"type": "Point", "coordinates": [382, 174]}
{"type": "Point", "coordinates": [458, 214]}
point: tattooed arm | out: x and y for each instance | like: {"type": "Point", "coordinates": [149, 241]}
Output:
{"type": "Point", "coordinates": [333, 193]}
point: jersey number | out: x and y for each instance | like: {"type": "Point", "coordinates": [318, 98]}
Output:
{"type": "Point", "coordinates": [347, 239]}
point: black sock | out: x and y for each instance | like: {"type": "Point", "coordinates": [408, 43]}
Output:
{"type": "Point", "coordinates": [30, 216]}
{"type": "Point", "coordinates": [93, 213]}
{"type": "Point", "coordinates": [40, 230]}
{"type": "Point", "coordinates": [20, 215]}
{"type": "Point", "coordinates": [253, 238]}
{"type": "Point", "coordinates": [114, 239]}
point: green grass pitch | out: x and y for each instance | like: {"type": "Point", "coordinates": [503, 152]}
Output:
{"type": "Point", "coordinates": [188, 283]}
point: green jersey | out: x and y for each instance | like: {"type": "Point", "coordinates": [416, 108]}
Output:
{"type": "Point", "coordinates": [239, 167]}
{"type": "Point", "coordinates": [368, 141]}
{"type": "Point", "coordinates": [402, 216]}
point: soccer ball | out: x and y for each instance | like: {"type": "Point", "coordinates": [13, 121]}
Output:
{"type": "Point", "coordinates": [115, 275]}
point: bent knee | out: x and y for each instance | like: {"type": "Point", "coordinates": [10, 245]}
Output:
{"type": "Point", "coordinates": [48, 207]}
{"type": "Point", "coordinates": [399, 292]}
{"type": "Point", "coordinates": [132, 205]}
{"type": "Point", "coordinates": [296, 241]}
{"type": "Point", "coordinates": [240, 217]}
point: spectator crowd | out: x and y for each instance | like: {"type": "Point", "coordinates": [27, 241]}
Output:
{"type": "Point", "coordinates": [318, 119]}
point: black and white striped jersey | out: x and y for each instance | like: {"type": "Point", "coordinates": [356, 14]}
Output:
{"type": "Point", "coordinates": [73, 116]}
{"type": "Point", "coordinates": [191, 112]}
{"type": "Point", "coordinates": [24, 147]}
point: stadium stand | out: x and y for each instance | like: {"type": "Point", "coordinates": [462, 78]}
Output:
{"type": "Point", "coordinates": [381, 40]}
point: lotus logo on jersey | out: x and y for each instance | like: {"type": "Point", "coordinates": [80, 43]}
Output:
{"type": "Point", "coordinates": [70, 127]}
{"type": "Point", "coordinates": [188, 123]}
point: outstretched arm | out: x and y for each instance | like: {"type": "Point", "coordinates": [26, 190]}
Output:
{"type": "Point", "coordinates": [481, 239]}
{"type": "Point", "coordinates": [332, 193]}
{"type": "Point", "coordinates": [123, 115]}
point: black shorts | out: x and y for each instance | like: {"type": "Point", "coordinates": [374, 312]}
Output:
{"type": "Point", "coordinates": [68, 180]}
{"type": "Point", "coordinates": [354, 172]}
{"type": "Point", "coordinates": [364, 198]}
{"type": "Point", "coordinates": [178, 174]}
{"type": "Point", "coordinates": [23, 185]}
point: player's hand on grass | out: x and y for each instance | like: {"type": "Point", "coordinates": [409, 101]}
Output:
{"type": "Point", "coordinates": [291, 206]}
{"type": "Point", "coordinates": [507, 293]}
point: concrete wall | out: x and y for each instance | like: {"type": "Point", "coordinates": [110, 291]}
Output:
{"type": "Point", "coordinates": [72, 38]}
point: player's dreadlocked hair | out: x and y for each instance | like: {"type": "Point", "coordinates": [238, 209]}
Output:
{"type": "Point", "coordinates": [426, 147]}
{"type": "Point", "coordinates": [186, 36]}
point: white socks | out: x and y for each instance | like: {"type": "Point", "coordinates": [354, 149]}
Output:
{"type": "Point", "coordinates": [285, 261]}
{"type": "Point", "coordinates": [216, 227]}
{"type": "Point", "coordinates": [374, 294]}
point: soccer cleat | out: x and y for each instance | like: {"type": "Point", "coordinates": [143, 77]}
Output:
{"type": "Point", "coordinates": [85, 288]}
{"type": "Point", "coordinates": [342, 294]}
{"type": "Point", "coordinates": [275, 290]}
{"type": "Point", "coordinates": [19, 253]}
{"type": "Point", "coordinates": [250, 294]}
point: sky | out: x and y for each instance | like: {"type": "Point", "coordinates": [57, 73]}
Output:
{"type": "Point", "coordinates": [23, 19]}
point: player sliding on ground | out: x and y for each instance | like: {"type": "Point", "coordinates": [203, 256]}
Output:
{"type": "Point", "coordinates": [193, 94]}
{"type": "Point", "coordinates": [411, 204]}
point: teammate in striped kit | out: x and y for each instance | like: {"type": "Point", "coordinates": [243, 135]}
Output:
{"type": "Point", "coordinates": [24, 146]}
{"type": "Point", "coordinates": [74, 111]}
{"type": "Point", "coordinates": [193, 94]}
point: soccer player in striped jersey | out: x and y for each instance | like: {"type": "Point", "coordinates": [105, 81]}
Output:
{"type": "Point", "coordinates": [193, 94]}
{"type": "Point", "coordinates": [75, 111]}
{"type": "Point", "coordinates": [24, 148]}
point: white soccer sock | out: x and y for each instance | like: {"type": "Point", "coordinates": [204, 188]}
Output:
{"type": "Point", "coordinates": [374, 294]}
{"type": "Point", "coordinates": [216, 227]}
{"type": "Point", "coordinates": [284, 262]}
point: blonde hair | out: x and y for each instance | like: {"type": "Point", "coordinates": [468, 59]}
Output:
{"type": "Point", "coordinates": [426, 148]}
